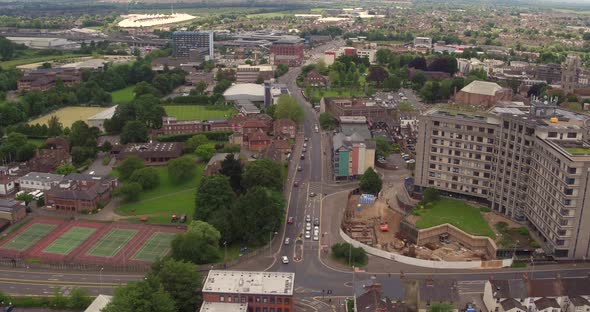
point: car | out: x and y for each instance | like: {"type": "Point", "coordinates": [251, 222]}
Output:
{"type": "Point", "coordinates": [304, 145]}
{"type": "Point", "coordinates": [302, 156]}
{"type": "Point", "coordinates": [295, 184]}
{"type": "Point", "coordinates": [305, 150]}
{"type": "Point", "coordinates": [405, 155]}
{"type": "Point", "coordinates": [287, 241]}
{"type": "Point", "coordinates": [316, 221]}
{"type": "Point", "coordinates": [306, 139]}
{"type": "Point", "coordinates": [290, 220]}
{"type": "Point", "coordinates": [307, 234]}
{"type": "Point", "coordinates": [312, 194]}
{"type": "Point", "coordinates": [316, 228]}
{"type": "Point", "coordinates": [308, 226]}
{"type": "Point", "coordinates": [285, 260]}
{"type": "Point", "coordinates": [299, 168]}
{"type": "Point", "coordinates": [308, 218]}
{"type": "Point", "coordinates": [411, 161]}
{"type": "Point", "coordinates": [316, 238]}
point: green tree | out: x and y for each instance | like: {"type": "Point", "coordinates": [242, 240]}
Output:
{"type": "Point", "coordinates": [65, 169]}
{"type": "Point", "coordinates": [430, 194]}
{"type": "Point", "coordinates": [143, 296]}
{"type": "Point", "coordinates": [181, 281]}
{"type": "Point", "coordinates": [205, 151]}
{"type": "Point", "coordinates": [129, 165]}
{"type": "Point", "coordinates": [281, 70]}
{"type": "Point", "coordinates": [384, 148]}
{"type": "Point", "coordinates": [370, 182]}
{"type": "Point", "coordinates": [145, 88]}
{"type": "Point", "coordinates": [106, 146]}
{"type": "Point", "coordinates": [25, 197]}
{"type": "Point", "coordinates": [213, 204]}
{"type": "Point", "coordinates": [195, 141]}
{"type": "Point", "coordinates": [6, 49]}
{"type": "Point", "coordinates": [78, 299]}
{"type": "Point", "coordinates": [54, 126]}
{"type": "Point", "coordinates": [147, 177]}
{"type": "Point", "coordinates": [327, 122]}
{"type": "Point", "coordinates": [201, 87]}
{"type": "Point", "coordinates": [288, 108]}
{"type": "Point", "coordinates": [232, 168]}
{"type": "Point", "coordinates": [181, 169]}
{"type": "Point", "coordinates": [263, 172]}
{"type": "Point", "coordinates": [355, 256]}
{"type": "Point", "coordinates": [377, 74]}
{"type": "Point", "coordinates": [405, 106]}
{"type": "Point", "coordinates": [129, 191]}
{"type": "Point", "coordinates": [253, 226]}
{"type": "Point", "coordinates": [134, 132]}
{"type": "Point", "coordinates": [199, 244]}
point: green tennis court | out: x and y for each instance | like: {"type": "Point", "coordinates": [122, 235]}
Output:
{"type": "Point", "coordinates": [69, 240]}
{"type": "Point", "coordinates": [112, 243]}
{"type": "Point", "coordinates": [156, 247]}
{"type": "Point", "coordinates": [30, 236]}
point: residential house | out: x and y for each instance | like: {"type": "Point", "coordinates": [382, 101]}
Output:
{"type": "Point", "coordinates": [315, 79]}
{"type": "Point", "coordinates": [279, 150]}
{"type": "Point", "coordinates": [388, 296]}
{"type": "Point", "coordinates": [55, 154]}
{"type": "Point", "coordinates": [80, 192]}
{"type": "Point", "coordinates": [286, 128]}
{"type": "Point", "coordinates": [12, 210]}
{"type": "Point", "coordinates": [7, 184]}
{"type": "Point", "coordinates": [38, 181]}
{"type": "Point", "coordinates": [437, 291]}
{"type": "Point", "coordinates": [258, 141]}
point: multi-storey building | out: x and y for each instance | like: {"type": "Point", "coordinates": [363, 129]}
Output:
{"type": "Point", "coordinates": [287, 52]}
{"type": "Point", "coordinates": [251, 74]}
{"type": "Point", "coordinates": [44, 79]}
{"type": "Point", "coordinates": [260, 291]}
{"type": "Point", "coordinates": [80, 192]}
{"type": "Point", "coordinates": [185, 41]}
{"type": "Point", "coordinates": [338, 107]}
{"type": "Point", "coordinates": [351, 155]}
{"type": "Point", "coordinates": [423, 42]}
{"type": "Point", "coordinates": [528, 163]}
{"type": "Point", "coordinates": [551, 73]}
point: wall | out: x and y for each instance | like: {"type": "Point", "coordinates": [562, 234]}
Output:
{"type": "Point", "coordinates": [430, 235]}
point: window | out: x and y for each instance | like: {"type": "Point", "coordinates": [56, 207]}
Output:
{"type": "Point", "coordinates": [264, 299]}
{"type": "Point", "coordinates": [257, 299]}
{"type": "Point", "coordinates": [257, 309]}
{"type": "Point", "coordinates": [221, 298]}
{"type": "Point", "coordinates": [279, 300]}
{"type": "Point", "coordinates": [571, 170]}
{"type": "Point", "coordinates": [243, 299]}
{"type": "Point", "coordinates": [228, 298]}
{"type": "Point", "coordinates": [264, 309]}
{"type": "Point", "coordinates": [272, 300]}
{"type": "Point", "coordinates": [286, 302]}
{"type": "Point", "coordinates": [572, 135]}
{"type": "Point", "coordinates": [552, 134]}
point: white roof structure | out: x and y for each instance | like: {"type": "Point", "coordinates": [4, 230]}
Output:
{"type": "Point", "coordinates": [482, 87]}
{"type": "Point", "coordinates": [148, 20]}
{"type": "Point", "coordinates": [105, 114]}
{"type": "Point", "coordinates": [223, 307]}
{"type": "Point", "coordinates": [245, 91]}
{"type": "Point", "coordinates": [246, 282]}
{"type": "Point", "coordinates": [99, 303]}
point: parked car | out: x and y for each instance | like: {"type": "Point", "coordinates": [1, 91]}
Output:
{"type": "Point", "coordinates": [302, 156]}
{"type": "Point", "coordinates": [316, 221]}
{"type": "Point", "coordinates": [287, 241]}
{"type": "Point", "coordinates": [308, 226]}
{"type": "Point", "coordinates": [312, 194]}
{"type": "Point", "coordinates": [316, 237]}
{"type": "Point", "coordinates": [306, 139]}
{"type": "Point", "coordinates": [285, 260]}
{"type": "Point", "coordinates": [307, 234]}
{"type": "Point", "coordinates": [295, 184]}
{"type": "Point", "coordinates": [299, 168]}
{"type": "Point", "coordinates": [308, 218]}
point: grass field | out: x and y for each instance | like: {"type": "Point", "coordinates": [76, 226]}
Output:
{"type": "Point", "coordinates": [69, 240]}
{"type": "Point", "coordinates": [199, 112]}
{"type": "Point", "coordinates": [156, 247]}
{"type": "Point", "coordinates": [124, 95]}
{"type": "Point", "coordinates": [457, 213]}
{"type": "Point", "coordinates": [29, 236]}
{"type": "Point", "coordinates": [165, 200]}
{"type": "Point", "coordinates": [112, 243]}
{"type": "Point", "coordinates": [37, 59]}
{"type": "Point", "coordinates": [68, 115]}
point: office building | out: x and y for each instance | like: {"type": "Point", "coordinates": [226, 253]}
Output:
{"type": "Point", "coordinates": [251, 74]}
{"type": "Point", "coordinates": [260, 291]}
{"type": "Point", "coordinates": [185, 41]}
{"type": "Point", "coordinates": [529, 163]}
{"type": "Point", "coordinates": [287, 52]}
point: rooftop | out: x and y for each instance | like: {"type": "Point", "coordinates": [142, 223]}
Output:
{"type": "Point", "coordinates": [42, 177]}
{"type": "Point", "coordinates": [482, 87]}
{"type": "Point", "coordinates": [105, 114]}
{"type": "Point", "coordinates": [245, 91]}
{"type": "Point", "coordinates": [152, 147]}
{"type": "Point", "coordinates": [223, 307]}
{"type": "Point", "coordinates": [246, 282]}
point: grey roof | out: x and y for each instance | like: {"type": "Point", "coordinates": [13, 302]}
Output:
{"type": "Point", "coordinates": [41, 177]}
{"type": "Point", "coordinates": [8, 203]}
{"type": "Point", "coordinates": [512, 303]}
{"type": "Point", "coordinates": [513, 288]}
{"type": "Point", "coordinates": [544, 303]}
{"type": "Point", "coordinates": [223, 307]}
{"type": "Point", "coordinates": [359, 129]}
{"type": "Point", "coordinates": [578, 301]}
{"type": "Point", "coordinates": [86, 177]}
{"type": "Point", "coordinates": [245, 91]}
{"type": "Point", "coordinates": [482, 87]}
{"type": "Point", "coordinates": [438, 290]}
{"type": "Point", "coordinates": [392, 288]}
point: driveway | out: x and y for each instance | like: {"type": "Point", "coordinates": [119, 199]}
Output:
{"type": "Point", "coordinates": [98, 168]}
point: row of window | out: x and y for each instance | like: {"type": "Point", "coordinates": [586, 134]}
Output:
{"type": "Point", "coordinates": [463, 127]}
{"type": "Point", "coordinates": [251, 299]}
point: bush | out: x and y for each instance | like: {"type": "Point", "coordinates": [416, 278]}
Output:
{"type": "Point", "coordinates": [535, 244]}
{"type": "Point", "coordinates": [211, 135]}
{"type": "Point", "coordinates": [501, 226]}
{"type": "Point", "coordinates": [147, 177]}
{"type": "Point", "coordinates": [485, 209]}
{"type": "Point", "coordinates": [523, 231]}
{"type": "Point", "coordinates": [344, 252]}
{"type": "Point", "coordinates": [430, 194]}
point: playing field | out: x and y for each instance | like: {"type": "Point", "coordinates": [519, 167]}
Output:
{"type": "Point", "coordinates": [124, 95]}
{"type": "Point", "coordinates": [112, 243]}
{"type": "Point", "coordinates": [156, 247]}
{"type": "Point", "coordinates": [69, 240]}
{"type": "Point", "coordinates": [68, 115]}
{"type": "Point", "coordinates": [29, 236]}
{"type": "Point", "coordinates": [199, 112]}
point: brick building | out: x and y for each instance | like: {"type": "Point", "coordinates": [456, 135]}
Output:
{"type": "Point", "coordinates": [287, 52]}
{"type": "Point", "coordinates": [258, 141]}
{"type": "Point", "coordinates": [80, 192]}
{"type": "Point", "coordinates": [338, 107]}
{"type": "Point", "coordinates": [44, 79]}
{"type": "Point", "coordinates": [260, 291]}
{"type": "Point", "coordinates": [153, 152]}
{"type": "Point", "coordinates": [56, 153]}
{"type": "Point", "coordinates": [251, 123]}
{"type": "Point", "coordinates": [12, 210]}
{"type": "Point", "coordinates": [314, 79]}
{"type": "Point", "coordinates": [170, 125]}
{"type": "Point", "coordinates": [483, 94]}
{"type": "Point", "coordinates": [285, 127]}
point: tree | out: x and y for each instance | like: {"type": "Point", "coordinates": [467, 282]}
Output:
{"type": "Point", "coordinates": [405, 106]}
{"type": "Point", "coordinates": [181, 169]}
{"type": "Point", "coordinates": [129, 165]}
{"type": "Point", "coordinates": [199, 244]}
{"type": "Point", "coordinates": [147, 177]}
{"type": "Point", "coordinates": [106, 146]}
{"type": "Point", "coordinates": [129, 191]}
{"type": "Point", "coordinates": [195, 141]}
{"type": "Point", "coordinates": [281, 70]}
{"type": "Point", "coordinates": [327, 122]}
{"type": "Point", "coordinates": [430, 194]}
{"type": "Point", "coordinates": [180, 280]}
{"type": "Point", "coordinates": [25, 152]}
{"type": "Point", "coordinates": [370, 182]}
{"type": "Point", "coordinates": [383, 147]}
{"type": "Point", "coordinates": [134, 132]}
{"type": "Point", "coordinates": [288, 108]}
{"type": "Point", "coordinates": [418, 81]}
{"type": "Point", "coordinates": [65, 169]}
{"type": "Point", "coordinates": [205, 151]}
{"type": "Point", "coordinates": [232, 168]}
{"type": "Point", "coordinates": [377, 74]}
{"type": "Point", "coordinates": [252, 226]}
{"type": "Point", "coordinates": [345, 252]}
{"type": "Point", "coordinates": [6, 49]}
{"type": "Point", "coordinates": [25, 197]}
{"type": "Point", "coordinates": [429, 92]}
{"type": "Point", "coordinates": [418, 63]}
{"type": "Point", "coordinates": [441, 307]}
{"type": "Point", "coordinates": [586, 36]}
{"type": "Point", "coordinates": [78, 299]}
{"type": "Point", "coordinates": [213, 204]}
{"type": "Point", "coordinates": [143, 296]}
{"type": "Point", "coordinates": [392, 83]}
{"type": "Point", "coordinates": [201, 87]}
{"type": "Point", "coordinates": [383, 56]}
{"type": "Point", "coordinates": [54, 126]}
{"type": "Point", "coordinates": [263, 172]}
{"type": "Point", "coordinates": [145, 88]}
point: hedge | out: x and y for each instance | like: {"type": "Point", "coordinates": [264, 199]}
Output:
{"type": "Point", "coordinates": [211, 135]}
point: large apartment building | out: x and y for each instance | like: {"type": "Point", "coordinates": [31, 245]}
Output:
{"type": "Point", "coordinates": [185, 41]}
{"type": "Point", "coordinates": [529, 163]}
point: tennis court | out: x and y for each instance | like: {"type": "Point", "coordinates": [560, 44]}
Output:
{"type": "Point", "coordinates": [29, 237]}
{"type": "Point", "coordinates": [156, 247]}
{"type": "Point", "coordinates": [112, 243]}
{"type": "Point", "coordinates": [69, 240]}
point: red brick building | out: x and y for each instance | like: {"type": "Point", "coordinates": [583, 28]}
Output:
{"type": "Point", "coordinates": [80, 192]}
{"type": "Point", "coordinates": [170, 125]}
{"type": "Point", "coordinates": [56, 153]}
{"type": "Point", "coordinates": [287, 52]}
{"type": "Point", "coordinates": [261, 291]}
{"type": "Point", "coordinates": [315, 79]}
{"type": "Point", "coordinates": [250, 124]}
{"type": "Point", "coordinates": [483, 94]}
{"type": "Point", "coordinates": [285, 127]}
{"type": "Point", "coordinates": [258, 141]}
{"type": "Point", "coordinates": [44, 79]}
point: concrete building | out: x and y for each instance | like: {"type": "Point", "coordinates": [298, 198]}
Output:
{"type": "Point", "coordinates": [260, 291]}
{"type": "Point", "coordinates": [44, 79]}
{"type": "Point", "coordinates": [99, 119]}
{"type": "Point", "coordinates": [483, 94]}
{"type": "Point", "coordinates": [338, 107]}
{"type": "Point", "coordinates": [38, 181]}
{"type": "Point", "coordinates": [251, 74]}
{"type": "Point", "coordinates": [571, 70]}
{"type": "Point", "coordinates": [185, 41]}
{"type": "Point", "coordinates": [551, 73]}
{"type": "Point", "coordinates": [528, 163]}
{"type": "Point", "coordinates": [287, 52]}
{"type": "Point", "coordinates": [423, 42]}
{"type": "Point", "coordinates": [351, 155]}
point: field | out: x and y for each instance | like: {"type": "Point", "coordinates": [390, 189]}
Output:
{"type": "Point", "coordinates": [457, 213]}
{"type": "Point", "coordinates": [199, 112]}
{"type": "Point", "coordinates": [167, 199]}
{"type": "Point", "coordinates": [68, 115]}
{"type": "Point", "coordinates": [36, 59]}
{"type": "Point", "coordinates": [59, 241]}
{"type": "Point", "coordinates": [124, 95]}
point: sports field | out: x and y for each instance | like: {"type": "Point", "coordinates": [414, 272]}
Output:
{"type": "Point", "coordinates": [125, 95]}
{"type": "Point", "coordinates": [69, 240]}
{"type": "Point", "coordinates": [112, 243]}
{"type": "Point", "coordinates": [156, 247]}
{"type": "Point", "coordinates": [68, 115]}
{"type": "Point", "coordinates": [199, 112]}
{"type": "Point", "coordinates": [29, 237]}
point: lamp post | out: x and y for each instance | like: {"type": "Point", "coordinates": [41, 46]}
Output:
{"type": "Point", "coordinates": [100, 277]}
{"type": "Point", "coordinates": [269, 241]}
{"type": "Point", "coordinates": [225, 252]}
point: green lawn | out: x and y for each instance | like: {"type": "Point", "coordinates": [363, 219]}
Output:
{"type": "Point", "coordinates": [124, 95]}
{"type": "Point", "coordinates": [199, 112]}
{"type": "Point", "coordinates": [37, 59]}
{"type": "Point", "coordinates": [69, 240]}
{"type": "Point", "coordinates": [29, 236]}
{"type": "Point", "coordinates": [167, 199]}
{"type": "Point", "coordinates": [578, 151]}
{"type": "Point", "coordinates": [156, 247]}
{"type": "Point", "coordinates": [112, 243]}
{"type": "Point", "coordinates": [457, 213]}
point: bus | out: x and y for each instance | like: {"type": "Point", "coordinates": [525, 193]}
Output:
{"type": "Point", "coordinates": [35, 193]}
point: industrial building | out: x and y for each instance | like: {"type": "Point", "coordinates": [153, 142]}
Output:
{"type": "Point", "coordinates": [185, 41]}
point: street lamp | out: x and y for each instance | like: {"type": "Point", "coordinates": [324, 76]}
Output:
{"type": "Point", "coordinates": [100, 277]}
{"type": "Point", "coordinates": [225, 253]}
{"type": "Point", "coordinates": [269, 241]}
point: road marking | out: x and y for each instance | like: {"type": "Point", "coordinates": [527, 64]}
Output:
{"type": "Point", "coordinates": [39, 282]}
{"type": "Point", "coordinates": [84, 274]}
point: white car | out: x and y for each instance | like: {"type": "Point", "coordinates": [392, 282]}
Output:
{"type": "Point", "coordinates": [304, 144]}
{"type": "Point", "coordinates": [287, 241]}
{"type": "Point", "coordinates": [316, 237]}
{"type": "Point", "coordinates": [308, 218]}
{"type": "Point", "coordinates": [308, 226]}
{"type": "Point", "coordinates": [410, 161]}
{"type": "Point", "coordinates": [285, 259]}
{"type": "Point", "coordinates": [316, 228]}
{"type": "Point", "coordinates": [307, 234]}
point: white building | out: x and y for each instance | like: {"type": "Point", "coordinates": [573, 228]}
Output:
{"type": "Point", "coordinates": [423, 42]}
{"type": "Point", "coordinates": [99, 119]}
{"type": "Point", "coordinates": [41, 181]}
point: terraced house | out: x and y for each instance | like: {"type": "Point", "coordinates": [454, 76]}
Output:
{"type": "Point", "coordinates": [529, 163]}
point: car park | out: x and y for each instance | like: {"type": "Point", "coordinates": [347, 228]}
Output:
{"type": "Point", "coordinates": [285, 260]}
